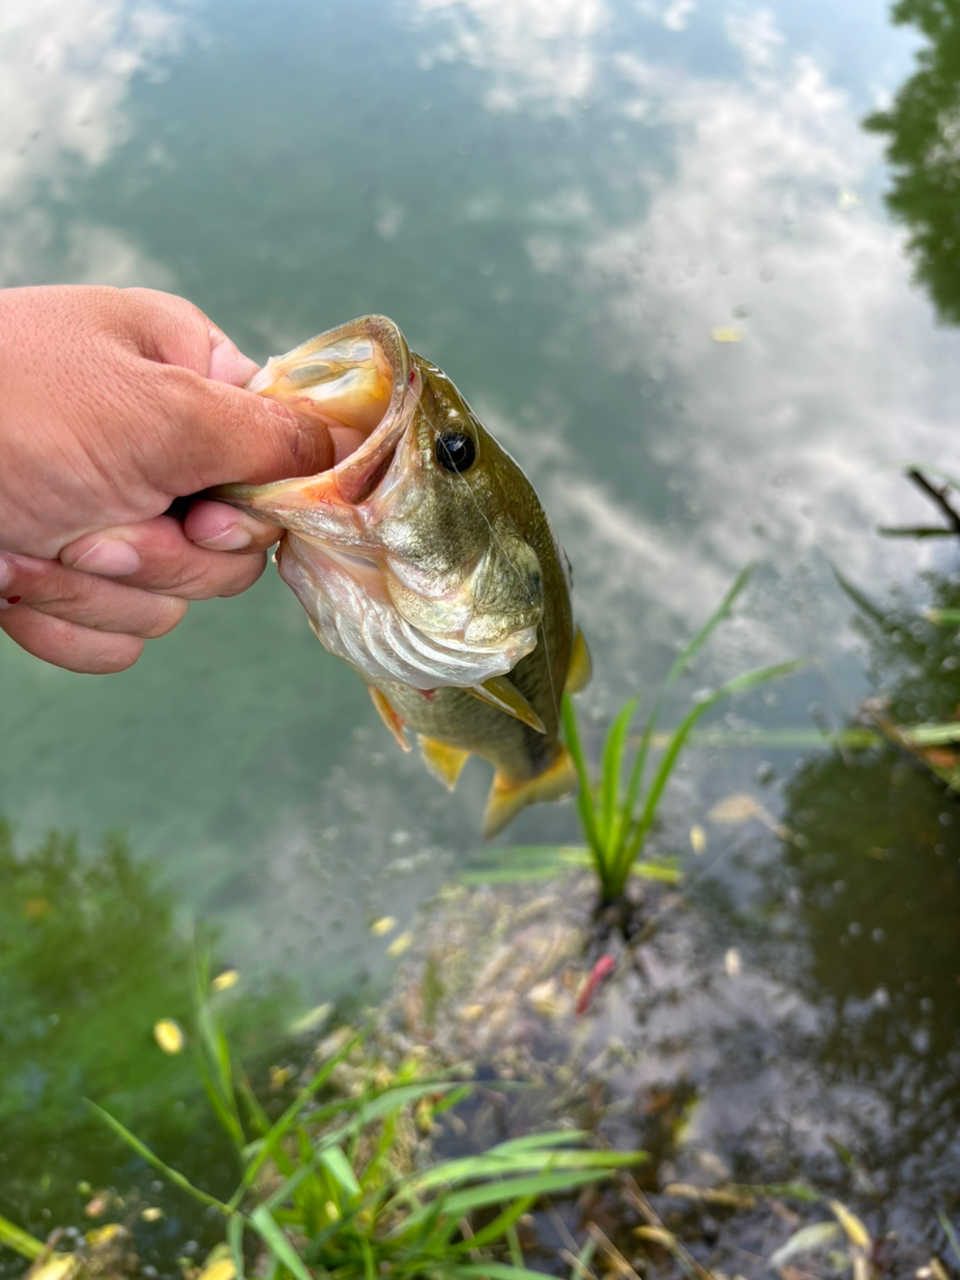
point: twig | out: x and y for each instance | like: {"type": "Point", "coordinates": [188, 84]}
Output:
{"type": "Point", "coordinates": [613, 1253]}
{"type": "Point", "coordinates": [645, 1209]}
{"type": "Point", "coordinates": [938, 495]}
{"type": "Point", "coordinates": [578, 1265]}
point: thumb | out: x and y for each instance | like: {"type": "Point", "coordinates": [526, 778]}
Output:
{"type": "Point", "coordinates": [224, 434]}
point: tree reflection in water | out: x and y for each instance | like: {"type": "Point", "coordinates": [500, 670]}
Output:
{"type": "Point", "coordinates": [871, 869]}
{"type": "Point", "coordinates": [90, 959]}
{"type": "Point", "coordinates": [923, 131]}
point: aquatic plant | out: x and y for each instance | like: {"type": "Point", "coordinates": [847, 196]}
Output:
{"type": "Point", "coordinates": [331, 1188]}
{"type": "Point", "coordinates": [617, 819]}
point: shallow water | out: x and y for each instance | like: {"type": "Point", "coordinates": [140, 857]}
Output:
{"type": "Point", "coordinates": [649, 243]}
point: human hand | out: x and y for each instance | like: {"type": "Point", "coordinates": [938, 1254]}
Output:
{"type": "Point", "coordinates": [114, 403]}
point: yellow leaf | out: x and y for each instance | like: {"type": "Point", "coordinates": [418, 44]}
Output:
{"type": "Point", "coordinates": [735, 808]}
{"type": "Point", "coordinates": [383, 925]}
{"type": "Point", "coordinates": [58, 1267]}
{"type": "Point", "coordinates": [222, 1269]}
{"type": "Point", "coordinates": [225, 980]}
{"type": "Point", "coordinates": [698, 839]}
{"type": "Point", "coordinates": [853, 1228]}
{"type": "Point", "coordinates": [401, 944]}
{"type": "Point", "coordinates": [168, 1035]}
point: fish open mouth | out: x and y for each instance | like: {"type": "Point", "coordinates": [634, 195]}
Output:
{"type": "Point", "coordinates": [354, 381]}
{"type": "Point", "coordinates": [361, 385]}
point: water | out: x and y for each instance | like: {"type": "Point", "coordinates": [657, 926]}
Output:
{"type": "Point", "coordinates": [649, 243]}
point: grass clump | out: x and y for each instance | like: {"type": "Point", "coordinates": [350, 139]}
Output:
{"type": "Point", "coordinates": [330, 1189]}
{"type": "Point", "coordinates": [616, 818]}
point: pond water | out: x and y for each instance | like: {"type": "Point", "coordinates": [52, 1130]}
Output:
{"type": "Point", "coordinates": [648, 240]}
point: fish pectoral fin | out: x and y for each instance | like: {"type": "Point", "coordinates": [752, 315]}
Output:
{"type": "Point", "coordinates": [507, 798]}
{"type": "Point", "coordinates": [443, 761]}
{"type": "Point", "coordinates": [499, 692]}
{"type": "Point", "coordinates": [581, 665]}
{"type": "Point", "coordinates": [389, 717]}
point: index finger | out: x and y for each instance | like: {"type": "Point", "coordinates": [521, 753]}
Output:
{"type": "Point", "coordinates": [223, 528]}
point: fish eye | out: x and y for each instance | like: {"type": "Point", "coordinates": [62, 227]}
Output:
{"type": "Point", "coordinates": [455, 451]}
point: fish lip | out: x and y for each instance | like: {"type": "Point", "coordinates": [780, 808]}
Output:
{"type": "Point", "coordinates": [359, 474]}
{"type": "Point", "coordinates": [355, 478]}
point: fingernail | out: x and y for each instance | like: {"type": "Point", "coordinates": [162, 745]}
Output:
{"type": "Point", "coordinates": [6, 573]}
{"type": "Point", "coordinates": [233, 539]}
{"type": "Point", "coordinates": [111, 557]}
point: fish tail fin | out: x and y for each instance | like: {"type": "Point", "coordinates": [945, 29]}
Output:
{"type": "Point", "coordinates": [443, 761]}
{"type": "Point", "coordinates": [506, 798]}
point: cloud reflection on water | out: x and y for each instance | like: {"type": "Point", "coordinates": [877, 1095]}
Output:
{"type": "Point", "coordinates": [536, 53]}
{"type": "Point", "coordinates": [65, 72]}
{"type": "Point", "coordinates": [785, 441]}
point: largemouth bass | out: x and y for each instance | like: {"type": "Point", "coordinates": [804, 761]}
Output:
{"type": "Point", "coordinates": [424, 559]}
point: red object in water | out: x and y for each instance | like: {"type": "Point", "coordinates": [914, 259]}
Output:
{"type": "Point", "coordinates": [599, 974]}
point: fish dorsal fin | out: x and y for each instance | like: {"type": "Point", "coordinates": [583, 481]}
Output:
{"type": "Point", "coordinates": [507, 798]}
{"type": "Point", "coordinates": [389, 717]}
{"type": "Point", "coordinates": [499, 692]}
{"type": "Point", "coordinates": [443, 761]}
{"type": "Point", "coordinates": [581, 666]}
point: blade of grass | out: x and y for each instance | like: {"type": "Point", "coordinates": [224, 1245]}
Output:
{"type": "Point", "coordinates": [225, 1111]}
{"type": "Point", "coordinates": [862, 602]}
{"type": "Point", "coordinates": [739, 684]}
{"type": "Point", "coordinates": [289, 1118]}
{"type": "Point", "coordinates": [498, 1227]}
{"type": "Point", "coordinates": [338, 1166]}
{"type": "Point", "coordinates": [20, 1241]}
{"type": "Point", "coordinates": [680, 664]}
{"type": "Point", "coordinates": [235, 1241]}
{"type": "Point", "coordinates": [496, 1271]}
{"type": "Point", "coordinates": [721, 612]}
{"type": "Point", "coordinates": [370, 1110]}
{"type": "Point", "coordinates": [495, 1162]}
{"type": "Point", "coordinates": [581, 1264]}
{"type": "Point", "coordinates": [611, 768]}
{"type": "Point", "coordinates": [533, 1141]}
{"type": "Point", "coordinates": [258, 1117]}
{"type": "Point", "coordinates": [172, 1175]}
{"type": "Point", "coordinates": [951, 1233]}
{"type": "Point", "coordinates": [571, 733]}
{"type": "Point", "coordinates": [278, 1244]}
{"type": "Point", "coordinates": [460, 1203]}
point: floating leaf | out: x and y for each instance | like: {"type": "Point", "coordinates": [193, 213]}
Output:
{"type": "Point", "coordinates": [169, 1036]}
{"type": "Point", "coordinates": [815, 1236]}
{"type": "Point", "coordinates": [733, 809]}
{"type": "Point", "coordinates": [853, 1228]}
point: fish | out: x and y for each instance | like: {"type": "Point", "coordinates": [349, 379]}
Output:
{"type": "Point", "coordinates": [425, 561]}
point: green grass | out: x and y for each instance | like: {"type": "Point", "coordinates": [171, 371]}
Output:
{"type": "Point", "coordinates": [619, 807]}
{"type": "Point", "coordinates": [617, 815]}
{"type": "Point", "coordinates": [330, 1189]}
